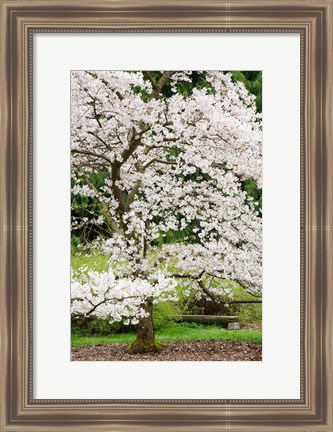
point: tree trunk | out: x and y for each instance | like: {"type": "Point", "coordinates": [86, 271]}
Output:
{"type": "Point", "coordinates": [145, 337]}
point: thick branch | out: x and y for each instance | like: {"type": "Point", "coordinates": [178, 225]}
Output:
{"type": "Point", "coordinates": [158, 86]}
{"type": "Point", "coordinates": [112, 300]}
{"type": "Point", "coordinates": [148, 75]}
{"type": "Point", "coordinates": [103, 141]}
{"type": "Point", "coordinates": [197, 278]}
{"type": "Point", "coordinates": [133, 192]}
{"type": "Point", "coordinates": [209, 293]}
{"type": "Point", "coordinates": [164, 78]}
{"type": "Point", "coordinates": [89, 153]}
{"type": "Point", "coordinates": [109, 221]}
{"type": "Point", "coordinates": [158, 161]}
{"type": "Point", "coordinates": [116, 166]}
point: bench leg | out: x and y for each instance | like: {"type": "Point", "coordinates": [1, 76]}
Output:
{"type": "Point", "coordinates": [233, 326]}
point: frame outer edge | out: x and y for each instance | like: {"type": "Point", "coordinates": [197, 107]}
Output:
{"type": "Point", "coordinates": [6, 220]}
{"type": "Point", "coordinates": [328, 119]}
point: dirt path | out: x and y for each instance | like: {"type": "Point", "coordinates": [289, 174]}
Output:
{"type": "Point", "coordinates": [184, 351]}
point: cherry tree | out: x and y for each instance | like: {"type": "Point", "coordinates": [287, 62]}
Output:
{"type": "Point", "coordinates": [170, 161]}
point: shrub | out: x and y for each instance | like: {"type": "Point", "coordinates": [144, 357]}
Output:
{"type": "Point", "coordinates": [86, 326]}
{"type": "Point", "coordinates": [247, 313]}
{"type": "Point", "coordinates": [165, 313]}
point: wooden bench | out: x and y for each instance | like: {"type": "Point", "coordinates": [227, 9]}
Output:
{"type": "Point", "coordinates": [226, 321]}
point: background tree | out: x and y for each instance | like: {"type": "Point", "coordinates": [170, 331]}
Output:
{"type": "Point", "coordinates": [165, 152]}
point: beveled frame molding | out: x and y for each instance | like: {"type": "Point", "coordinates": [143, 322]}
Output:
{"type": "Point", "coordinates": [312, 19]}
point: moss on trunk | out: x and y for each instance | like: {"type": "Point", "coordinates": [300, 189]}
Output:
{"type": "Point", "coordinates": [145, 338]}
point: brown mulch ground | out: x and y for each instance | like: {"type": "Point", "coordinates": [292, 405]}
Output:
{"type": "Point", "coordinates": [187, 351]}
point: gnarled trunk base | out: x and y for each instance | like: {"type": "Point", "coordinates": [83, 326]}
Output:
{"type": "Point", "coordinates": [145, 338]}
{"type": "Point", "coordinates": [143, 347]}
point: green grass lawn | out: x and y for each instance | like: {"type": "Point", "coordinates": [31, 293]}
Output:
{"type": "Point", "coordinates": [97, 262]}
{"type": "Point", "coordinates": [173, 333]}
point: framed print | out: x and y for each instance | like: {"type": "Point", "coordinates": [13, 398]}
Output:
{"type": "Point", "coordinates": [163, 165]}
{"type": "Point", "coordinates": [285, 384]}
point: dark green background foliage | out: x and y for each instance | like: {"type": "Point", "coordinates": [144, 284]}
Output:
{"type": "Point", "coordinates": [253, 83]}
{"type": "Point", "coordinates": [87, 326]}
